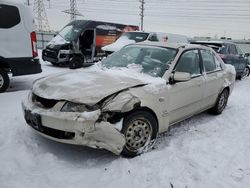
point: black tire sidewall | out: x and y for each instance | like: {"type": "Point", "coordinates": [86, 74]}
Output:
{"type": "Point", "coordinates": [76, 62]}
{"type": "Point", "coordinates": [6, 80]}
{"type": "Point", "coordinates": [216, 109]}
{"type": "Point", "coordinates": [131, 117]}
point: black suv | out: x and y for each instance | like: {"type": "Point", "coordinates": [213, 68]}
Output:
{"type": "Point", "coordinates": [230, 53]}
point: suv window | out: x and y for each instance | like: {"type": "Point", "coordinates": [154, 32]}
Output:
{"type": "Point", "coordinates": [11, 14]}
{"type": "Point", "coordinates": [189, 62]}
{"type": "Point", "coordinates": [232, 49]}
{"type": "Point", "coordinates": [210, 62]}
{"type": "Point", "coordinates": [239, 51]}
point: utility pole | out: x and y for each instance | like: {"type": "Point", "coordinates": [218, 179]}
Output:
{"type": "Point", "coordinates": [41, 19]}
{"type": "Point", "coordinates": [28, 2]}
{"type": "Point", "coordinates": [72, 11]}
{"type": "Point", "coordinates": [142, 12]}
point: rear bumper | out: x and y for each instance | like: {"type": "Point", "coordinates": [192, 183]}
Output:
{"type": "Point", "coordinates": [24, 66]}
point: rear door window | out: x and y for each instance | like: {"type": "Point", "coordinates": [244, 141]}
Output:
{"type": "Point", "coordinates": [210, 62]}
{"type": "Point", "coordinates": [11, 15]}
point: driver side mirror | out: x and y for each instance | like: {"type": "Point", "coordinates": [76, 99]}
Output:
{"type": "Point", "coordinates": [181, 76]}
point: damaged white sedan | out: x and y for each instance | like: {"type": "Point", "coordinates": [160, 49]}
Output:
{"type": "Point", "coordinates": [122, 103]}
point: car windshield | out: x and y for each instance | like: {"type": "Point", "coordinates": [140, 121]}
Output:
{"type": "Point", "coordinates": [136, 36]}
{"type": "Point", "coordinates": [69, 33]}
{"type": "Point", "coordinates": [150, 60]}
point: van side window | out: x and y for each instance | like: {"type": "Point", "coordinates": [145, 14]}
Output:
{"type": "Point", "coordinates": [153, 37]}
{"type": "Point", "coordinates": [11, 15]}
{"type": "Point", "coordinates": [189, 62]}
{"type": "Point", "coordinates": [210, 63]}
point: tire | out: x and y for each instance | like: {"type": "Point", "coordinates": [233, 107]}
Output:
{"type": "Point", "coordinates": [245, 73]}
{"type": "Point", "coordinates": [4, 80]}
{"type": "Point", "coordinates": [140, 131]}
{"type": "Point", "coordinates": [220, 103]}
{"type": "Point", "coordinates": [76, 62]}
{"type": "Point", "coordinates": [54, 64]}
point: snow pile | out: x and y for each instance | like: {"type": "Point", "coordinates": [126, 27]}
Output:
{"type": "Point", "coordinates": [90, 116]}
{"type": "Point", "coordinates": [118, 44]}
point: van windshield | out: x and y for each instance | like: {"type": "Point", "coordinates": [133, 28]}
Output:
{"type": "Point", "coordinates": [69, 33]}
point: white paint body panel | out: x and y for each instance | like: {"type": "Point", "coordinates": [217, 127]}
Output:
{"type": "Point", "coordinates": [16, 41]}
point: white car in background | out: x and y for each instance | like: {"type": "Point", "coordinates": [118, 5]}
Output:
{"type": "Point", "coordinates": [134, 94]}
{"type": "Point", "coordinates": [140, 36]}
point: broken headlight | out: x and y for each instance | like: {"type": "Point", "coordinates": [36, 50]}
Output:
{"type": "Point", "coordinates": [77, 107]}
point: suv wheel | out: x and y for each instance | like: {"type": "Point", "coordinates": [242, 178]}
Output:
{"type": "Point", "coordinates": [4, 80]}
{"type": "Point", "coordinates": [245, 73]}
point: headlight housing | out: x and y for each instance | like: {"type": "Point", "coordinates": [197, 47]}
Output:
{"type": "Point", "coordinates": [77, 107]}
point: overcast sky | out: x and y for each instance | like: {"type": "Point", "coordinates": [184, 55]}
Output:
{"type": "Point", "coordinates": [190, 17]}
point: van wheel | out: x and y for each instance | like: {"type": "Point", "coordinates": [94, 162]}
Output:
{"type": "Point", "coordinates": [76, 62]}
{"type": "Point", "coordinates": [4, 80]}
{"type": "Point", "coordinates": [221, 102]}
{"type": "Point", "coordinates": [139, 129]}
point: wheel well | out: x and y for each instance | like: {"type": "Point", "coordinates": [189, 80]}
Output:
{"type": "Point", "coordinates": [146, 109]}
{"type": "Point", "coordinates": [227, 88]}
{"type": "Point", "coordinates": [4, 65]}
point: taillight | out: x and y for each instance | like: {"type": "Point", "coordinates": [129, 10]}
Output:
{"type": "Point", "coordinates": [33, 43]}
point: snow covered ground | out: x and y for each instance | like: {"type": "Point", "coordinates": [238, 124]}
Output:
{"type": "Point", "coordinates": [204, 151]}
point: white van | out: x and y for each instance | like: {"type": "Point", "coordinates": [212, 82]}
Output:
{"type": "Point", "coordinates": [18, 52]}
{"type": "Point", "coordinates": [139, 36]}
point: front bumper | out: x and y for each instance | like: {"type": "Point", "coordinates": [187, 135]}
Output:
{"type": "Point", "coordinates": [72, 128]}
{"type": "Point", "coordinates": [56, 56]}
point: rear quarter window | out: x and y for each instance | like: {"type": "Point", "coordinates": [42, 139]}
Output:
{"type": "Point", "coordinates": [11, 15]}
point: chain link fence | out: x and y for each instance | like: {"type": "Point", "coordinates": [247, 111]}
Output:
{"type": "Point", "coordinates": [43, 38]}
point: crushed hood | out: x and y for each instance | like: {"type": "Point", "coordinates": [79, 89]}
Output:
{"type": "Point", "coordinates": [83, 86]}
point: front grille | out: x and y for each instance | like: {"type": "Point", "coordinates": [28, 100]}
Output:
{"type": "Point", "coordinates": [50, 53]}
{"type": "Point", "coordinates": [56, 133]}
{"type": "Point", "coordinates": [46, 103]}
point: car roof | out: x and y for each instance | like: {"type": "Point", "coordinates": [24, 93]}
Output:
{"type": "Point", "coordinates": [172, 45]}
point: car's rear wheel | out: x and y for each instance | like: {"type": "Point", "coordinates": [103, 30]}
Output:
{"type": "Point", "coordinates": [221, 102]}
{"type": "Point", "coordinates": [140, 130]}
{"type": "Point", "coordinates": [4, 80]}
{"type": "Point", "coordinates": [245, 73]}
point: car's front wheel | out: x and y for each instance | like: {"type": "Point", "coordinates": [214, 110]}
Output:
{"type": "Point", "coordinates": [140, 130]}
{"type": "Point", "coordinates": [221, 102]}
{"type": "Point", "coordinates": [4, 80]}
